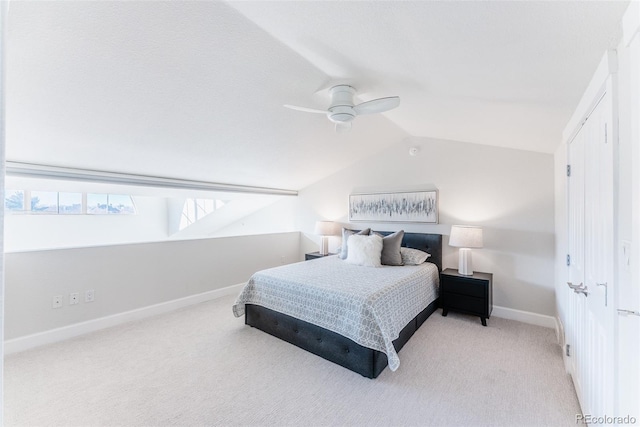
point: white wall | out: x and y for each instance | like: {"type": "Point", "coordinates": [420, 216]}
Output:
{"type": "Point", "coordinates": [3, 31]}
{"type": "Point", "coordinates": [628, 293]}
{"type": "Point", "coordinates": [34, 231]}
{"type": "Point", "coordinates": [127, 277]}
{"type": "Point", "coordinates": [275, 218]}
{"type": "Point", "coordinates": [561, 242]}
{"type": "Point", "coordinates": [212, 224]}
{"type": "Point", "coordinates": [508, 192]}
{"type": "Point", "coordinates": [624, 165]}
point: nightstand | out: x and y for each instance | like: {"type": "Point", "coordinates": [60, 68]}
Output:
{"type": "Point", "coordinates": [467, 294]}
{"type": "Point", "coordinates": [314, 255]}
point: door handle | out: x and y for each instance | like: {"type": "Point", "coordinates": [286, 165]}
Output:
{"type": "Point", "coordinates": [626, 313]}
{"type": "Point", "coordinates": [606, 292]}
{"type": "Point", "coordinates": [582, 291]}
{"type": "Point", "coordinates": [574, 287]}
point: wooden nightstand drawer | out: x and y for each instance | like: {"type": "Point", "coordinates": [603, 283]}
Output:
{"type": "Point", "coordinates": [470, 287]}
{"type": "Point", "coordinates": [466, 304]}
{"type": "Point", "coordinates": [468, 294]}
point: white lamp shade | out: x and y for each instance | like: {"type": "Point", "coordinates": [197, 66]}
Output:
{"type": "Point", "coordinates": [465, 236]}
{"type": "Point", "coordinates": [325, 228]}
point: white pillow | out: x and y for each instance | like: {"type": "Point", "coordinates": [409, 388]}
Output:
{"type": "Point", "coordinates": [345, 237]}
{"type": "Point", "coordinates": [364, 250]}
{"type": "Point", "coordinates": [412, 256]}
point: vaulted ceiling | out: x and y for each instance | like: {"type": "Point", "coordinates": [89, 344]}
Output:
{"type": "Point", "coordinates": [194, 90]}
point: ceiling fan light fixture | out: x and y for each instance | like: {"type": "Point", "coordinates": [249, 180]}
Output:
{"type": "Point", "coordinates": [341, 114]}
{"type": "Point", "coordinates": [341, 117]}
{"type": "Point", "coordinates": [342, 110]}
{"type": "Point", "coordinates": [342, 94]}
{"type": "Point", "coordinates": [342, 127]}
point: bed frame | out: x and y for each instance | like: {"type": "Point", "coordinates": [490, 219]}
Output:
{"type": "Point", "coordinates": [335, 347]}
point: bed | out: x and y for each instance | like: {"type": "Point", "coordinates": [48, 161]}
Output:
{"type": "Point", "coordinates": [349, 315]}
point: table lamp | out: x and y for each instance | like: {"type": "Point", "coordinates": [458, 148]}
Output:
{"type": "Point", "coordinates": [465, 237]}
{"type": "Point", "coordinates": [324, 229]}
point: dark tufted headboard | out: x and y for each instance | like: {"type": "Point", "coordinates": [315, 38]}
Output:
{"type": "Point", "coordinates": [430, 243]}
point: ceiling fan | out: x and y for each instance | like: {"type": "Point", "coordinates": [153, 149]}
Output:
{"type": "Point", "coordinates": [342, 111]}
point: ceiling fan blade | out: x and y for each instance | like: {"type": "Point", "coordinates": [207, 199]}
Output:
{"type": "Point", "coordinates": [343, 127]}
{"type": "Point", "coordinates": [377, 105]}
{"type": "Point", "coordinates": [305, 109]}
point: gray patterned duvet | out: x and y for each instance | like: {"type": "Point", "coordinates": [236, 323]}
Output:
{"type": "Point", "coordinates": [366, 304]}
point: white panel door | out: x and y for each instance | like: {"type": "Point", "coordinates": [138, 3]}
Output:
{"type": "Point", "coordinates": [599, 261]}
{"type": "Point", "coordinates": [591, 234]}
{"type": "Point", "coordinates": [575, 306]}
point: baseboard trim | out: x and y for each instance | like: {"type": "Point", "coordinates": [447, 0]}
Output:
{"type": "Point", "coordinates": [524, 316]}
{"type": "Point", "coordinates": [26, 342]}
{"type": "Point", "coordinates": [559, 331]}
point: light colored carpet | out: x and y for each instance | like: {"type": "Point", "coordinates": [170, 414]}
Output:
{"type": "Point", "coordinates": [202, 366]}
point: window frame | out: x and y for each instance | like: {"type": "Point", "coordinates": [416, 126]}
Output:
{"type": "Point", "coordinates": [27, 208]}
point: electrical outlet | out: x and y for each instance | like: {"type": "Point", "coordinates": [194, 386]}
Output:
{"type": "Point", "coordinates": [89, 295]}
{"type": "Point", "coordinates": [74, 298]}
{"type": "Point", "coordinates": [57, 301]}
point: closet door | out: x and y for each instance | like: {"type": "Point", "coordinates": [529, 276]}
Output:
{"type": "Point", "coordinates": [599, 259]}
{"type": "Point", "coordinates": [576, 306]}
{"type": "Point", "coordinates": [591, 234]}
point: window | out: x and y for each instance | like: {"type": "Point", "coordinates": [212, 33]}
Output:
{"type": "Point", "coordinates": [44, 202]}
{"type": "Point", "coordinates": [69, 203]}
{"type": "Point", "coordinates": [14, 200]}
{"type": "Point", "coordinates": [120, 204]}
{"type": "Point", "coordinates": [97, 204]}
{"type": "Point", "coordinates": [195, 209]}
{"type": "Point", "coordinates": [52, 202]}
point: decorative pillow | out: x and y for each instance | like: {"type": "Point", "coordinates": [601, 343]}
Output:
{"type": "Point", "coordinates": [412, 256]}
{"type": "Point", "coordinates": [345, 237]}
{"type": "Point", "coordinates": [364, 250]}
{"type": "Point", "coordinates": [391, 248]}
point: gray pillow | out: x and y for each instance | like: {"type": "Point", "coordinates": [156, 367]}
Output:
{"type": "Point", "coordinates": [345, 236]}
{"type": "Point", "coordinates": [412, 256]}
{"type": "Point", "coordinates": [391, 248]}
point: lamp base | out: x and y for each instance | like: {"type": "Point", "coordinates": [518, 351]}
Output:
{"type": "Point", "coordinates": [324, 245]}
{"type": "Point", "coordinates": [465, 266]}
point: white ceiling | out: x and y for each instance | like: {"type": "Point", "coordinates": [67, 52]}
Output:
{"type": "Point", "coordinates": [194, 90]}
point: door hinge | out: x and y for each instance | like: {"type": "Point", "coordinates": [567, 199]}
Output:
{"type": "Point", "coordinates": [568, 170]}
{"type": "Point", "coordinates": [567, 350]}
{"type": "Point", "coordinates": [568, 259]}
{"type": "Point", "coordinates": [606, 139]}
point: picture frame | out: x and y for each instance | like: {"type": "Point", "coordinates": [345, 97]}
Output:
{"type": "Point", "coordinates": [409, 206]}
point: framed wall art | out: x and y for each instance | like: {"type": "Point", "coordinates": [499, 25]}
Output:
{"type": "Point", "coordinates": [414, 206]}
